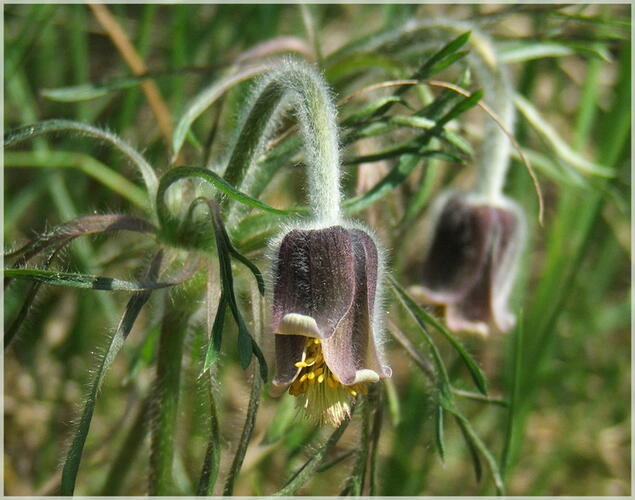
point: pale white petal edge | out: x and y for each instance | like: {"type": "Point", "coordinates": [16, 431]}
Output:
{"type": "Point", "coordinates": [299, 324]}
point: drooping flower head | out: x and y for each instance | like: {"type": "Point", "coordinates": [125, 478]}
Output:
{"type": "Point", "coordinates": [324, 318]}
{"type": "Point", "coordinates": [476, 237]}
{"type": "Point", "coordinates": [471, 260]}
{"type": "Point", "coordinates": [326, 271]}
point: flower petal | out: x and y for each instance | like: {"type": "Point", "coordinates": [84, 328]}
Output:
{"type": "Point", "coordinates": [299, 324]}
{"type": "Point", "coordinates": [289, 349]}
{"type": "Point", "coordinates": [459, 250]}
{"type": "Point", "coordinates": [351, 352]}
{"type": "Point", "coordinates": [314, 277]}
{"type": "Point", "coordinates": [485, 304]}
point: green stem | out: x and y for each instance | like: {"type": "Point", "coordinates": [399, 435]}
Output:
{"type": "Point", "coordinates": [250, 420]}
{"type": "Point", "coordinates": [166, 398]}
{"type": "Point", "coordinates": [316, 115]}
{"type": "Point", "coordinates": [309, 468]}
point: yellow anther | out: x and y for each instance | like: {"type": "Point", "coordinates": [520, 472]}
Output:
{"type": "Point", "coordinates": [316, 341]}
{"type": "Point", "coordinates": [353, 393]}
{"type": "Point", "coordinates": [303, 377]}
{"type": "Point", "coordinates": [311, 375]}
{"type": "Point", "coordinates": [320, 379]}
{"type": "Point", "coordinates": [309, 361]}
{"type": "Point", "coordinates": [300, 364]}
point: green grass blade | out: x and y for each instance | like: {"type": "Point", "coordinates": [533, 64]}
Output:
{"type": "Point", "coordinates": [557, 144]}
{"type": "Point", "coordinates": [84, 163]}
{"type": "Point", "coordinates": [56, 126]}
{"type": "Point", "coordinates": [514, 394]}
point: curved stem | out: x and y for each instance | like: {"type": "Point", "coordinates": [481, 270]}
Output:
{"type": "Point", "coordinates": [493, 160]}
{"type": "Point", "coordinates": [298, 87]}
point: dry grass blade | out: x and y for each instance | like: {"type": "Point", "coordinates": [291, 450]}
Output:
{"type": "Point", "coordinates": [138, 67]}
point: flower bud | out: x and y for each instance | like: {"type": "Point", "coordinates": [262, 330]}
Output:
{"type": "Point", "coordinates": [324, 308]}
{"type": "Point", "coordinates": [470, 263]}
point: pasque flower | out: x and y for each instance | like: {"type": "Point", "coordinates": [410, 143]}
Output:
{"type": "Point", "coordinates": [324, 318]}
{"type": "Point", "coordinates": [326, 271]}
{"type": "Point", "coordinates": [470, 263]}
{"type": "Point", "coordinates": [476, 237]}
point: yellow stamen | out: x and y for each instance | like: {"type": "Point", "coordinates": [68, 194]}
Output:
{"type": "Point", "coordinates": [323, 402]}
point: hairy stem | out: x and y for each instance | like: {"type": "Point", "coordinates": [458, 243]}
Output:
{"type": "Point", "coordinates": [166, 400]}
{"type": "Point", "coordinates": [295, 86]}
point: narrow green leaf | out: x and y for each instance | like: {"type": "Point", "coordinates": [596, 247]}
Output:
{"type": "Point", "coordinates": [448, 61]}
{"type": "Point", "coordinates": [557, 144]}
{"type": "Point", "coordinates": [461, 107]}
{"type": "Point", "coordinates": [370, 109]}
{"type": "Point", "coordinates": [252, 267]}
{"type": "Point", "coordinates": [310, 467]}
{"type": "Point", "coordinates": [407, 163]}
{"type": "Point", "coordinates": [88, 91]}
{"type": "Point", "coordinates": [439, 432]}
{"type": "Point", "coordinates": [476, 461]}
{"type": "Point", "coordinates": [514, 393]}
{"type": "Point", "coordinates": [176, 174]}
{"type": "Point", "coordinates": [520, 51]}
{"type": "Point", "coordinates": [11, 330]}
{"type": "Point", "coordinates": [56, 126]}
{"type": "Point", "coordinates": [135, 304]}
{"type": "Point", "coordinates": [415, 312]}
{"type": "Point", "coordinates": [75, 280]}
{"type": "Point", "coordinates": [447, 51]}
{"type": "Point", "coordinates": [246, 344]}
{"type": "Point", "coordinates": [473, 440]}
{"type": "Point", "coordinates": [81, 226]}
{"type": "Point", "coordinates": [216, 338]}
{"type": "Point", "coordinates": [475, 371]}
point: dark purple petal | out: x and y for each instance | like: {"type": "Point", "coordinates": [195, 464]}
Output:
{"type": "Point", "coordinates": [485, 303]}
{"type": "Point", "coordinates": [288, 352]}
{"type": "Point", "coordinates": [314, 277]}
{"type": "Point", "coordinates": [459, 250]}
{"type": "Point", "coordinates": [352, 348]}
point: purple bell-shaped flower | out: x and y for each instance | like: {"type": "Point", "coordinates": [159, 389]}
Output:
{"type": "Point", "coordinates": [471, 260]}
{"type": "Point", "coordinates": [325, 318]}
